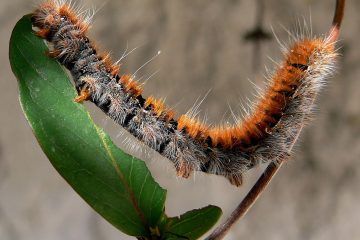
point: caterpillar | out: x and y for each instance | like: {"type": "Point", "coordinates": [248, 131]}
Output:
{"type": "Point", "coordinates": [265, 136]}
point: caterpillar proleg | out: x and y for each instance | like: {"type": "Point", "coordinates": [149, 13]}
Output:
{"type": "Point", "coordinates": [266, 135]}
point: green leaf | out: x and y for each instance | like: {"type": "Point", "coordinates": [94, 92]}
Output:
{"type": "Point", "coordinates": [193, 224]}
{"type": "Point", "coordinates": [117, 185]}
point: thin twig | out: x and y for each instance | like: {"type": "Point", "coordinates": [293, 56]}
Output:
{"type": "Point", "coordinates": [339, 13]}
{"type": "Point", "coordinates": [272, 168]}
{"type": "Point", "coordinates": [252, 195]}
{"type": "Point", "coordinates": [247, 202]}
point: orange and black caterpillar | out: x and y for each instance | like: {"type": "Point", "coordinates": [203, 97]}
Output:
{"type": "Point", "coordinates": [264, 136]}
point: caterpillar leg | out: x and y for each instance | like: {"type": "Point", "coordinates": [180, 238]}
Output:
{"type": "Point", "coordinates": [43, 33]}
{"type": "Point", "coordinates": [235, 179]}
{"type": "Point", "coordinates": [88, 88]}
{"type": "Point", "coordinates": [183, 169]}
{"type": "Point", "coordinates": [54, 53]}
{"type": "Point", "coordinates": [83, 95]}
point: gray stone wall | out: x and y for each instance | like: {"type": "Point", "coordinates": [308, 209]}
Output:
{"type": "Point", "coordinates": [314, 196]}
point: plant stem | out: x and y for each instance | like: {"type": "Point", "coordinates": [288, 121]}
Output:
{"type": "Point", "coordinates": [247, 202]}
{"type": "Point", "coordinates": [253, 194]}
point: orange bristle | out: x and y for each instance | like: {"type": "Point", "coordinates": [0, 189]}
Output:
{"type": "Point", "coordinates": [50, 20]}
{"type": "Point", "coordinates": [149, 100]}
{"type": "Point", "coordinates": [169, 115]}
{"type": "Point", "coordinates": [54, 53]}
{"type": "Point", "coordinates": [159, 107]}
{"type": "Point", "coordinates": [106, 59]}
{"type": "Point", "coordinates": [135, 88]}
{"type": "Point", "coordinates": [221, 136]}
{"type": "Point", "coordinates": [131, 85]}
{"type": "Point", "coordinates": [115, 69]}
{"type": "Point", "coordinates": [193, 127]}
{"type": "Point", "coordinates": [43, 33]}
{"type": "Point", "coordinates": [125, 79]}
{"type": "Point", "coordinates": [73, 18]}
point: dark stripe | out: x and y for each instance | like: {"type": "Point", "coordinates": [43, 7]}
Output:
{"type": "Point", "coordinates": [163, 146]}
{"type": "Point", "coordinates": [141, 101]}
{"type": "Point", "coordinates": [205, 167]}
{"type": "Point", "coordinates": [128, 119]}
{"type": "Point", "coordinates": [300, 66]}
{"type": "Point", "coordinates": [209, 141]}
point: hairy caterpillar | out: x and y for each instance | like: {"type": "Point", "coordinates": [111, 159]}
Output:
{"type": "Point", "coordinates": [264, 136]}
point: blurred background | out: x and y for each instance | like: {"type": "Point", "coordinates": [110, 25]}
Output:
{"type": "Point", "coordinates": [220, 46]}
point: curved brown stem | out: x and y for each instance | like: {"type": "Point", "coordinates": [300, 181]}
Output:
{"type": "Point", "coordinates": [339, 13]}
{"type": "Point", "coordinates": [272, 168]}
{"type": "Point", "coordinates": [252, 195]}
{"type": "Point", "coordinates": [247, 202]}
{"type": "Point", "coordinates": [337, 20]}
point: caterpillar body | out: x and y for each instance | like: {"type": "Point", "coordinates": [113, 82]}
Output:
{"type": "Point", "coordinates": [266, 135]}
